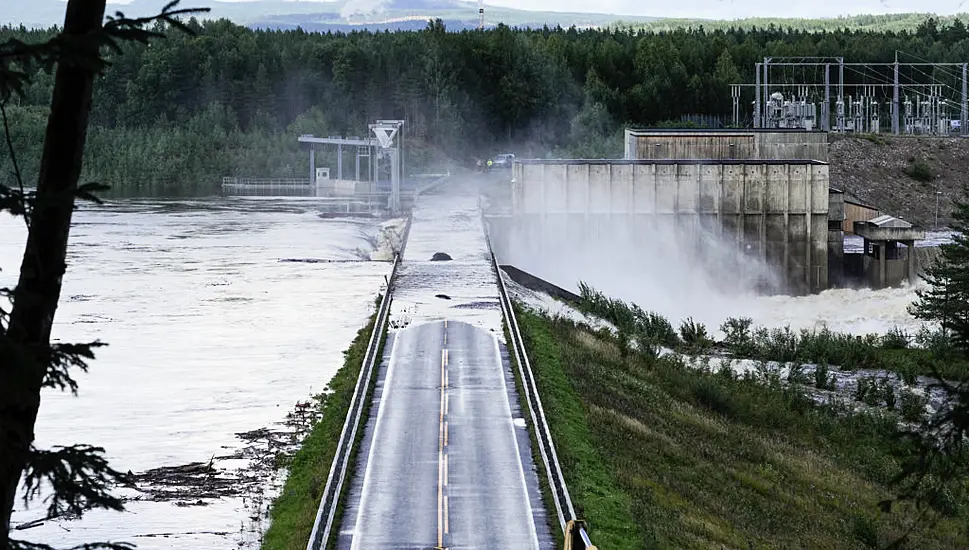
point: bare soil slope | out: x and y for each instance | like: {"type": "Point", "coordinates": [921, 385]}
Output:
{"type": "Point", "coordinates": [901, 175]}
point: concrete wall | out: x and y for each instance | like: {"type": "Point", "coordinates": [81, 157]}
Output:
{"type": "Point", "coordinates": [772, 210]}
{"type": "Point", "coordinates": [896, 272]}
{"type": "Point", "coordinates": [343, 188]}
{"type": "Point", "coordinates": [726, 144]}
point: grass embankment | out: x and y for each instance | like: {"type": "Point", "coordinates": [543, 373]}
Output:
{"type": "Point", "coordinates": [658, 455]}
{"type": "Point", "coordinates": [294, 510]}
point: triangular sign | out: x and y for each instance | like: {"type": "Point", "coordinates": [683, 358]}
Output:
{"type": "Point", "coordinates": [385, 135]}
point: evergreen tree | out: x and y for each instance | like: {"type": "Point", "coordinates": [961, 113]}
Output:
{"type": "Point", "coordinates": [936, 472]}
{"type": "Point", "coordinates": [947, 300]}
{"type": "Point", "coordinates": [77, 478]}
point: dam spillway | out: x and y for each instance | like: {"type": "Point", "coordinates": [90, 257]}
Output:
{"type": "Point", "coordinates": [741, 214]}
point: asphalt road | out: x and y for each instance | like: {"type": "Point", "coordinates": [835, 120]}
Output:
{"type": "Point", "coordinates": [444, 463]}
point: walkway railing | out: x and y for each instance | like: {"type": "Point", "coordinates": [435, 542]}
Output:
{"type": "Point", "coordinates": [573, 529]}
{"type": "Point", "coordinates": [333, 490]}
{"type": "Point", "coordinates": [231, 181]}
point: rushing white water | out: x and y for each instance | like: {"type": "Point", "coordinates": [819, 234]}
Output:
{"type": "Point", "coordinates": [680, 286]}
{"type": "Point", "coordinates": [463, 288]}
{"type": "Point", "coordinates": [220, 314]}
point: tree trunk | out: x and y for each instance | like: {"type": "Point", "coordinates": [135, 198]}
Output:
{"type": "Point", "coordinates": [38, 290]}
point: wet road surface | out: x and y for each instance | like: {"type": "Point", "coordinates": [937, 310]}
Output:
{"type": "Point", "coordinates": [443, 464]}
{"type": "Point", "coordinates": [446, 459]}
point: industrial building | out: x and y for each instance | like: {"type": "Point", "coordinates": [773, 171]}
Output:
{"type": "Point", "coordinates": [775, 211]}
{"type": "Point", "coordinates": [889, 251]}
{"type": "Point", "coordinates": [737, 144]}
{"type": "Point", "coordinates": [856, 211]}
{"type": "Point", "coordinates": [766, 190]}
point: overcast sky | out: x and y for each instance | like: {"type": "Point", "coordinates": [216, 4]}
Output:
{"type": "Point", "coordinates": [721, 9]}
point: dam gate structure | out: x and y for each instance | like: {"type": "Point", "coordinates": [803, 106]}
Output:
{"type": "Point", "coordinates": [747, 212]}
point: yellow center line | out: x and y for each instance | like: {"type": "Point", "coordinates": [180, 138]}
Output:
{"type": "Point", "coordinates": [442, 457]}
{"type": "Point", "coordinates": [446, 526]}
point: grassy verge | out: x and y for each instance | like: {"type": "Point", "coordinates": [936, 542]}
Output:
{"type": "Point", "coordinates": [662, 456]}
{"type": "Point", "coordinates": [595, 492]}
{"type": "Point", "coordinates": [546, 491]}
{"type": "Point", "coordinates": [294, 510]}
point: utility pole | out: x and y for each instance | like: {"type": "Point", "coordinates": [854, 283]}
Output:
{"type": "Point", "coordinates": [826, 108]}
{"type": "Point", "coordinates": [312, 165]}
{"type": "Point", "coordinates": [841, 90]}
{"type": "Point", "coordinates": [895, 104]}
{"type": "Point", "coordinates": [766, 90]}
{"type": "Point", "coordinates": [965, 102]}
{"type": "Point", "coordinates": [757, 108]}
{"type": "Point", "coordinates": [937, 193]}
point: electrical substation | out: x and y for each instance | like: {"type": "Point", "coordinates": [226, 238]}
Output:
{"type": "Point", "coordinates": [832, 95]}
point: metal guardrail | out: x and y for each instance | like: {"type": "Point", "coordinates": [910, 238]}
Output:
{"type": "Point", "coordinates": [231, 181]}
{"type": "Point", "coordinates": [429, 186]}
{"type": "Point", "coordinates": [575, 533]}
{"type": "Point", "coordinates": [333, 489]}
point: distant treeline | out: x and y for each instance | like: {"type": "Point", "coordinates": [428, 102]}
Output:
{"type": "Point", "coordinates": [895, 22]}
{"type": "Point", "coordinates": [232, 100]}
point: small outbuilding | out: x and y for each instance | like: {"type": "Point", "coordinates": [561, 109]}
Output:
{"type": "Point", "coordinates": [889, 251]}
{"type": "Point", "coordinates": [856, 211]}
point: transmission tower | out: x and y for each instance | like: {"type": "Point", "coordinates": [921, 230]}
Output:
{"type": "Point", "coordinates": [480, 15]}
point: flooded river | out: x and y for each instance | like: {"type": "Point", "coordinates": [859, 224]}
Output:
{"type": "Point", "coordinates": [220, 314]}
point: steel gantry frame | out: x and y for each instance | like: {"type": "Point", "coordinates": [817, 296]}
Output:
{"type": "Point", "coordinates": [382, 144]}
{"type": "Point", "coordinates": [763, 86]}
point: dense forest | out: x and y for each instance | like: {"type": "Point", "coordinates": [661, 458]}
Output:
{"type": "Point", "coordinates": [230, 101]}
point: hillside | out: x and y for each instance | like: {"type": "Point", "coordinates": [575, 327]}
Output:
{"type": "Point", "coordinates": [378, 15]}
{"type": "Point", "coordinates": [659, 455]}
{"type": "Point", "coordinates": [876, 170]}
{"type": "Point", "coordinates": [335, 15]}
{"type": "Point", "coordinates": [895, 22]}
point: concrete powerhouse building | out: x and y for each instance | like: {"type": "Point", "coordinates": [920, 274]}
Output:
{"type": "Point", "coordinates": [766, 191]}
{"type": "Point", "coordinates": [776, 211]}
{"type": "Point", "coordinates": [739, 144]}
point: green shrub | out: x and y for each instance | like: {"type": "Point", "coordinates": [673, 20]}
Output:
{"type": "Point", "coordinates": [823, 380]}
{"type": "Point", "coordinates": [694, 336]}
{"type": "Point", "coordinates": [895, 339]}
{"type": "Point", "coordinates": [913, 405]}
{"type": "Point", "coordinates": [866, 391]}
{"type": "Point", "coordinates": [796, 375]}
{"type": "Point", "coordinates": [738, 338]}
{"type": "Point", "coordinates": [919, 170]}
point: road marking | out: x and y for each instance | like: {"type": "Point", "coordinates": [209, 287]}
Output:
{"type": "Point", "coordinates": [440, 501]}
{"type": "Point", "coordinates": [532, 531]}
{"type": "Point", "coordinates": [367, 479]}
{"type": "Point", "coordinates": [443, 524]}
{"type": "Point", "coordinates": [447, 527]}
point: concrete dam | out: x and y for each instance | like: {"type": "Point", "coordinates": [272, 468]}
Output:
{"type": "Point", "coordinates": [748, 223]}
